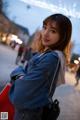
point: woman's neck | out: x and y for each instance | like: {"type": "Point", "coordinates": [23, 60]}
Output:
{"type": "Point", "coordinates": [47, 49]}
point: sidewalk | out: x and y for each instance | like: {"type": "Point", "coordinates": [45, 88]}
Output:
{"type": "Point", "coordinates": [70, 79]}
{"type": "Point", "coordinates": [69, 97]}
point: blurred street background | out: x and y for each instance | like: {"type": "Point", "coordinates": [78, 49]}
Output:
{"type": "Point", "coordinates": [20, 20]}
{"type": "Point", "coordinates": [7, 64]}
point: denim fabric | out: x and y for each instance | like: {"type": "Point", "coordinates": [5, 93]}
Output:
{"type": "Point", "coordinates": [32, 90]}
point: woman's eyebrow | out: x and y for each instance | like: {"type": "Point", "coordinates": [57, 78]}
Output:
{"type": "Point", "coordinates": [51, 26]}
{"type": "Point", "coordinates": [54, 28]}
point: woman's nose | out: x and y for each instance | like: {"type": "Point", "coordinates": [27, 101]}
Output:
{"type": "Point", "coordinates": [46, 32]}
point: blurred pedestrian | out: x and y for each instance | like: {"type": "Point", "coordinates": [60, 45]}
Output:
{"type": "Point", "coordinates": [27, 54]}
{"type": "Point", "coordinates": [77, 76]}
{"type": "Point", "coordinates": [30, 92]}
{"type": "Point", "coordinates": [19, 54]}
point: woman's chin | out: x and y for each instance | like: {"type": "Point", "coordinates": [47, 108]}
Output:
{"type": "Point", "coordinates": [45, 44]}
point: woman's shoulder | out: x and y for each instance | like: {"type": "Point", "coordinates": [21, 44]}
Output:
{"type": "Point", "coordinates": [49, 56]}
{"type": "Point", "coordinates": [54, 55]}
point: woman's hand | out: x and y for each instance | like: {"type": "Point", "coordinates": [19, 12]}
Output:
{"type": "Point", "coordinates": [18, 73]}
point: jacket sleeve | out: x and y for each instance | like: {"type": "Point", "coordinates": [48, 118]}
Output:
{"type": "Point", "coordinates": [17, 73]}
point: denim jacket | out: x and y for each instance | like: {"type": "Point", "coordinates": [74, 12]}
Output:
{"type": "Point", "coordinates": [31, 90]}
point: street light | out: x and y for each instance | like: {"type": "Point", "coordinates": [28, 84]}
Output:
{"type": "Point", "coordinates": [76, 61]}
{"type": "Point", "coordinates": [79, 58]}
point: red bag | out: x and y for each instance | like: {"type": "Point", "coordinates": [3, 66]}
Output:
{"type": "Point", "coordinates": [5, 104]}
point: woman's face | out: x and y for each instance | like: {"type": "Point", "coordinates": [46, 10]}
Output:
{"type": "Point", "coordinates": [50, 34]}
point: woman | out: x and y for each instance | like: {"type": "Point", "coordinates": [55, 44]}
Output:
{"type": "Point", "coordinates": [29, 93]}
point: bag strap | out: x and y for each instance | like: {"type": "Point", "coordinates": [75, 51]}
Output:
{"type": "Point", "coordinates": [54, 80]}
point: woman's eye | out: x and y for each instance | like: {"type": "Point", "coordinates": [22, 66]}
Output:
{"type": "Point", "coordinates": [53, 31]}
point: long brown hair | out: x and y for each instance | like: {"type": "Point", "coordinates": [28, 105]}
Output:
{"type": "Point", "coordinates": [65, 30]}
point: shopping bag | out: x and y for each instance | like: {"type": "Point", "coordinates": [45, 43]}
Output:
{"type": "Point", "coordinates": [6, 107]}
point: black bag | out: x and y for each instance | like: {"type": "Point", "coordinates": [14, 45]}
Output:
{"type": "Point", "coordinates": [51, 111]}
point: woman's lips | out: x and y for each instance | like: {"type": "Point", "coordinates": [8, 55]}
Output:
{"type": "Point", "coordinates": [46, 40]}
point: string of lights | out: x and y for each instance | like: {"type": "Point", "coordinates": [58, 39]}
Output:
{"type": "Point", "coordinates": [54, 8]}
